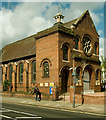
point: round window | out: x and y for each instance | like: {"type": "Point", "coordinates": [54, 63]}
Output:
{"type": "Point", "coordinates": [87, 45]}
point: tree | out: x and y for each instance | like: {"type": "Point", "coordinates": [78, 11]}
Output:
{"type": "Point", "coordinates": [6, 85]}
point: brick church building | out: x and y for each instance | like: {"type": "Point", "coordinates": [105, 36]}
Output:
{"type": "Point", "coordinates": [50, 56]}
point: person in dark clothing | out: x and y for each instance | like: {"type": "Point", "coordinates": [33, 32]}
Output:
{"type": "Point", "coordinates": [39, 93]}
{"type": "Point", "coordinates": [36, 90]}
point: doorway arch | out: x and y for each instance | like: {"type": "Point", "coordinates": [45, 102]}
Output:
{"type": "Point", "coordinates": [64, 79]}
{"type": "Point", "coordinates": [88, 78]}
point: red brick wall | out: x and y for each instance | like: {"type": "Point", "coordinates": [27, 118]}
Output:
{"type": "Point", "coordinates": [47, 47]}
{"type": "Point", "coordinates": [88, 99]}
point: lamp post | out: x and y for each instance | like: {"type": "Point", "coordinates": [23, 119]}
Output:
{"type": "Point", "coordinates": [75, 80]}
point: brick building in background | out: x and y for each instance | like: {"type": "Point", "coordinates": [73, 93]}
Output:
{"type": "Point", "coordinates": [47, 57]}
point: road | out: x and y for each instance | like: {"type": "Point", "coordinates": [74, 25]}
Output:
{"type": "Point", "coordinates": [28, 112]}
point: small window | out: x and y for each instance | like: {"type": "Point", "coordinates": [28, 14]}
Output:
{"type": "Point", "coordinates": [34, 71]}
{"type": "Point", "coordinates": [1, 74]}
{"type": "Point", "coordinates": [6, 73]}
{"type": "Point", "coordinates": [78, 74]}
{"type": "Point", "coordinates": [76, 43]}
{"type": "Point", "coordinates": [10, 73]}
{"type": "Point", "coordinates": [46, 69]}
{"type": "Point", "coordinates": [96, 47]}
{"type": "Point", "coordinates": [65, 52]}
{"type": "Point", "coordinates": [97, 74]}
{"type": "Point", "coordinates": [21, 72]}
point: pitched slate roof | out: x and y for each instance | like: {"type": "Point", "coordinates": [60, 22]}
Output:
{"type": "Point", "coordinates": [19, 49]}
{"type": "Point", "coordinates": [56, 27]}
{"type": "Point", "coordinates": [75, 21]}
{"type": "Point", "coordinates": [26, 47]}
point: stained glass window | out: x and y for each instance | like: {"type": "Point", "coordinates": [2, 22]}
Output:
{"type": "Point", "coordinates": [46, 69]}
{"type": "Point", "coordinates": [65, 52]}
{"type": "Point", "coordinates": [76, 43]}
{"type": "Point", "coordinates": [87, 45]}
{"type": "Point", "coordinates": [10, 73]}
{"type": "Point", "coordinates": [95, 48]}
{"type": "Point", "coordinates": [34, 71]}
{"type": "Point", "coordinates": [21, 72]}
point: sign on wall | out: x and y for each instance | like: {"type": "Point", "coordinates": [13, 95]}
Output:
{"type": "Point", "coordinates": [52, 84]}
{"type": "Point", "coordinates": [41, 84]}
{"type": "Point", "coordinates": [50, 90]}
{"type": "Point", "coordinates": [46, 84]}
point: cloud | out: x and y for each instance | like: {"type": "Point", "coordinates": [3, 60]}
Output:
{"type": "Point", "coordinates": [101, 46]}
{"type": "Point", "coordinates": [100, 32]}
{"type": "Point", "coordinates": [28, 18]}
{"type": "Point", "coordinates": [24, 21]}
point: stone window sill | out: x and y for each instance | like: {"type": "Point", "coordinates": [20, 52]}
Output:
{"type": "Point", "coordinates": [66, 61]}
{"type": "Point", "coordinates": [45, 76]}
{"type": "Point", "coordinates": [20, 83]}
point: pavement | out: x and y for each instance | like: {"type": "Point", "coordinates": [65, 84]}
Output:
{"type": "Point", "coordinates": [61, 104]}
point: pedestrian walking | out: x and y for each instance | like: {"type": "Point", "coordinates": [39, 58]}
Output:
{"type": "Point", "coordinates": [39, 93]}
{"type": "Point", "coordinates": [36, 90]}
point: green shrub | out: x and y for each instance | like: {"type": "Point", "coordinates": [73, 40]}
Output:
{"type": "Point", "coordinates": [6, 85]}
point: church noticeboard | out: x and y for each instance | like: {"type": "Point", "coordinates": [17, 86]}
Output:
{"type": "Point", "coordinates": [52, 84]}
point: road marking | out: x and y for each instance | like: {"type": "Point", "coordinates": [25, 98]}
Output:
{"type": "Point", "coordinates": [7, 117]}
{"type": "Point", "coordinates": [26, 117]}
{"type": "Point", "coordinates": [20, 112]}
{"type": "Point", "coordinates": [2, 111]}
{"type": "Point", "coordinates": [23, 102]}
{"type": "Point", "coordinates": [69, 110]}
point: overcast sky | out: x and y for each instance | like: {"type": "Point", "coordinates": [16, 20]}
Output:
{"type": "Point", "coordinates": [22, 18]}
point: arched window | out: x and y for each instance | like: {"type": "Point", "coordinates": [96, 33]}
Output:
{"type": "Point", "coordinates": [21, 72]}
{"type": "Point", "coordinates": [76, 43]}
{"type": "Point", "coordinates": [10, 73]}
{"type": "Point", "coordinates": [1, 74]}
{"type": "Point", "coordinates": [65, 52]}
{"type": "Point", "coordinates": [6, 73]}
{"type": "Point", "coordinates": [46, 69]}
{"type": "Point", "coordinates": [34, 71]}
{"type": "Point", "coordinates": [97, 74]}
{"type": "Point", "coordinates": [78, 73]}
{"type": "Point", "coordinates": [87, 44]}
{"type": "Point", "coordinates": [96, 49]}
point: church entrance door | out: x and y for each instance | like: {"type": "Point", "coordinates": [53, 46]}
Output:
{"type": "Point", "coordinates": [86, 81]}
{"type": "Point", "coordinates": [64, 80]}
